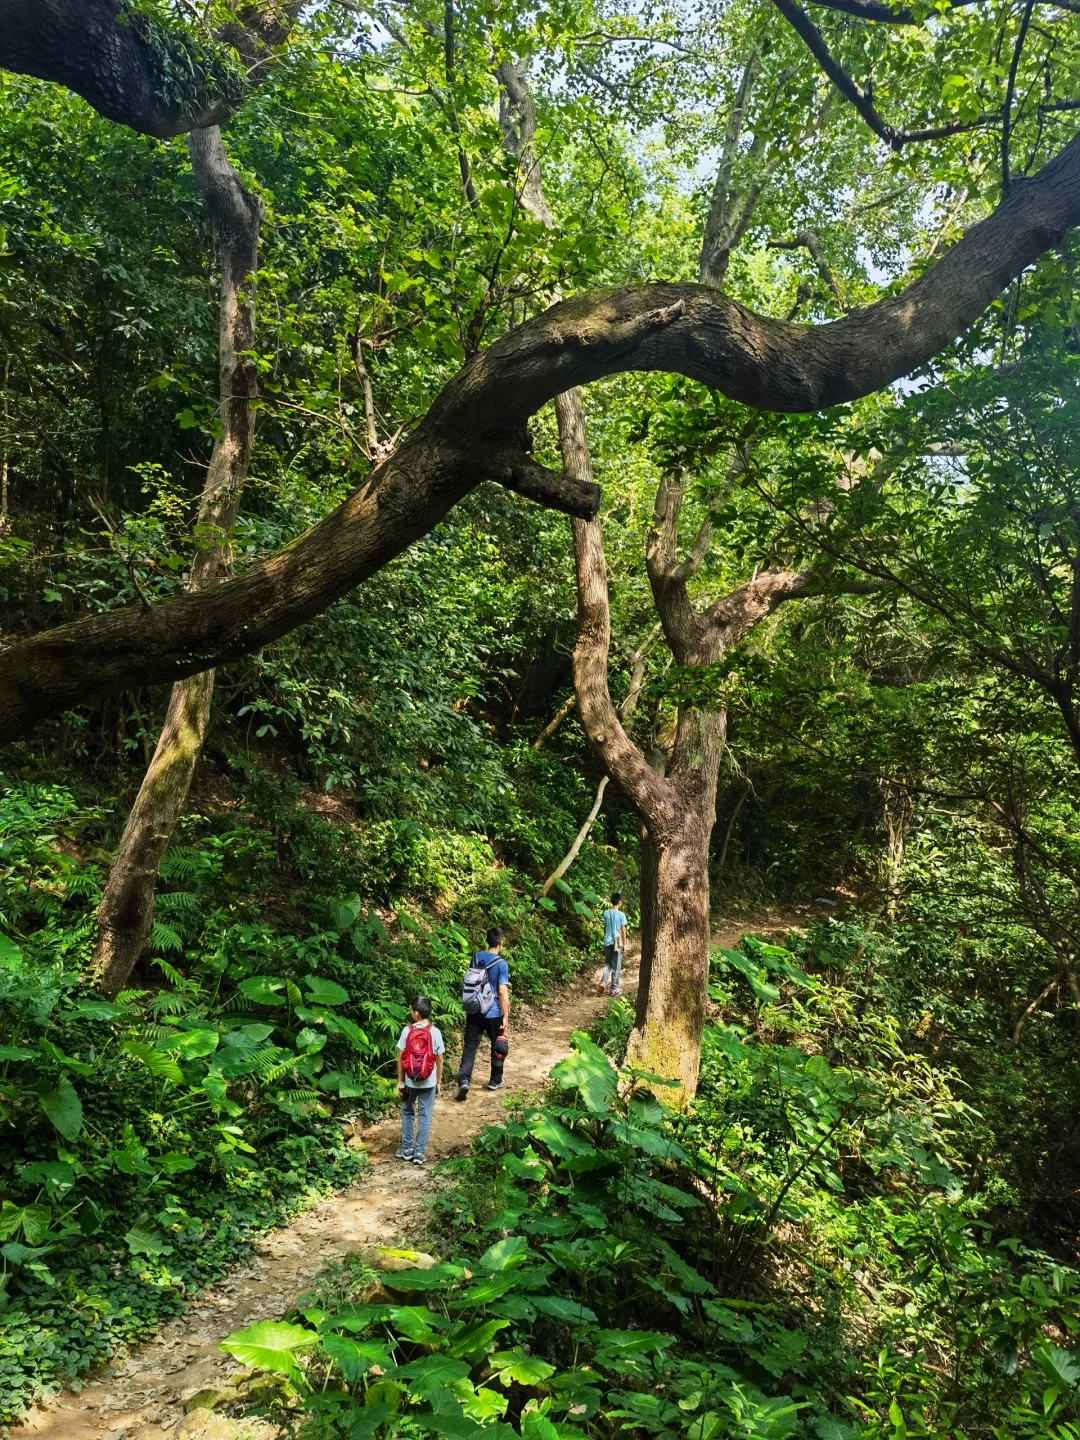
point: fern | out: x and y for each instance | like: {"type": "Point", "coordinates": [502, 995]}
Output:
{"type": "Point", "coordinates": [178, 981]}
{"type": "Point", "coordinates": [179, 902]}
{"type": "Point", "coordinates": [181, 863]}
{"type": "Point", "coordinates": [164, 937]}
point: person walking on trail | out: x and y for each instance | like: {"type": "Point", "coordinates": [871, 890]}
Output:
{"type": "Point", "coordinates": [419, 1074]}
{"type": "Point", "coordinates": [486, 1001]}
{"type": "Point", "coordinates": [614, 946]}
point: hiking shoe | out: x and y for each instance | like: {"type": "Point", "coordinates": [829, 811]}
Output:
{"type": "Point", "coordinates": [462, 1093]}
{"type": "Point", "coordinates": [400, 1154]}
{"type": "Point", "coordinates": [496, 1085]}
{"type": "Point", "coordinates": [418, 1160]}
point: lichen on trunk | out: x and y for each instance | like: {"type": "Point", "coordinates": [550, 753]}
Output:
{"type": "Point", "coordinates": [126, 912]}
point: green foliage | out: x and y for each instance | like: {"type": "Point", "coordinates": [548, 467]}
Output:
{"type": "Point", "coordinates": [796, 1256]}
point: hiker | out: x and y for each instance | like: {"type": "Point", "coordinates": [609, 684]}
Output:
{"type": "Point", "coordinates": [419, 1074]}
{"type": "Point", "coordinates": [486, 1000]}
{"type": "Point", "coordinates": [614, 946]}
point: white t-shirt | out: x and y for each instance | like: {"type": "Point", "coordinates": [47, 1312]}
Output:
{"type": "Point", "coordinates": [438, 1048]}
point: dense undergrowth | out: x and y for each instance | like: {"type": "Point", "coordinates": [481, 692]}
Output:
{"type": "Point", "coordinates": [805, 1253]}
{"type": "Point", "coordinates": [145, 1140]}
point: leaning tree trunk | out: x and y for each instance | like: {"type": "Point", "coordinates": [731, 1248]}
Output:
{"type": "Point", "coordinates": [126, 912]}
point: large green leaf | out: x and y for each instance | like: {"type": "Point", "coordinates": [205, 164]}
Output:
{"type": "Point", "coordinates": [324, 992]}
{"type": "Point", "coordinates": [508, 1254]}
{"type": "Point", "coordinates": [515, 1365]}
{"type": "Point", "coordinates": [355, 1357]}
{"type": "Point", "coordinates": [558, 1138]}
{"type": "Point", "coordinates": [160, 1065]}
{"type": "Point", "coordinates": [271, 1345]}
{"type": "Point", "coordinates": [475, 1337]}
{"type": "Point", "coordinates": [195, 1044]}
{"type": "Point", "coordinates": [1061, 1367]}
{"type": "Point", "coordinates": [559, 1308]}
{"type": "Point", "coordinates": [144, 1239]}
{"type": "Point", "coordinates": [262, 989]}
{"type": "Point", "coordinates": [63, 1108]}
{"type": "Point", "coordinates": [588, 1071]}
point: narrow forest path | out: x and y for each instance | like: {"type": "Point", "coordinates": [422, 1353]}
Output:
{"type": "Point", "coordinates": [146, 1395]}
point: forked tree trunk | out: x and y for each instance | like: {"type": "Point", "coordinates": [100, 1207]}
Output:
{"type": "Point", "coordinates": [126, 913]}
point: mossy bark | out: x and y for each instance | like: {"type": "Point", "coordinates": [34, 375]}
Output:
{"type": "Point", "coordinates": [126, 912]}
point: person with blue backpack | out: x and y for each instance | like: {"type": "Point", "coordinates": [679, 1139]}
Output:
{"type": "Point", "coordinates": [486, 1000]}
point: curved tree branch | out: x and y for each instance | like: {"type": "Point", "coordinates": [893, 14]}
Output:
{"type": "Point", "coordinates": [476, 431]}
{"type": "Point", "coordinates": [125, 65]}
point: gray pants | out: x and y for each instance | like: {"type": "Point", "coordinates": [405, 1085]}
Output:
{"type": "Point", "coordinates": [423, 1103]}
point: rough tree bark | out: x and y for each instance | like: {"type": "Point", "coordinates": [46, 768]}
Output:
{"type": "Point", "coordinates": [126, 913]}
{"type": "Point", "coordinates": [125, 70]}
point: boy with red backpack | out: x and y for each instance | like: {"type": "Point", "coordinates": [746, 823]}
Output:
{"type": "Point", "coordinates": [419, 1073]}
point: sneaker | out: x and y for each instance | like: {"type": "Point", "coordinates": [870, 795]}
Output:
{"type": "Point", "coordinates": [463, 1093]}
{"type": "Point", "coordinates": [418, 1160]}
{"type": "Point", "coordinates": [496, 1085]}
{"type": "Point", "coordinates": [601, 988]}
{"type": "Point", "coordinates": [400, 1154]}
{"type": "Point", "coordinates": [615, 992]}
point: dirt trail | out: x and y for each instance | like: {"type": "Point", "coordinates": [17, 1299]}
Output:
{"type": "Point", "coordinates": [146, 1395]}
{"type": "Point", "coordinates": [149, 1394]}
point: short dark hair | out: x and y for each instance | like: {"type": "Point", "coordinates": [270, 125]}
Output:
{"type": "Point", "coordinates": [422, 1006]}
{"type": "Point", "coordinates": [616, 898]}
{"type": "Point", "coordinates": [495, 936]}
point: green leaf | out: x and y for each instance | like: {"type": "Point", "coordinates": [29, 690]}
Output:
{"type": "Point", "coordinates": [411, 1322]}
{"type": "Point", "coordinates": [429, 1374]}
{"type": "Point", "coordinates": [1061, 1367]}
{"type": "Point", "coordinates": [364, 1421]}
{"type": "Point", "coordinates": [194, 1044]}
{"type": "Point", "coordinates": [344, 913]}
{"type": "Point", "coordinates": [515, 1365]}
{"type": "Point", "coordinates": [63, 1108]}
{"type": "Point", "coordinates": [560, 1309]}
{"type": "Point", "coordinates": [355, 1357]}
{"type": "Point", "coordinates": [16, 1052]}
{"type": "Point", "coordinates": [588, 1071]}
{"type": "Point", "coordinates": [143, 1239]}
{"type": "Point", "coordinates": [270, 1345]}
{"type": "Point", "coordinates": [262, 989]}
{"type": "Point", "coordinates": [558, 1138]}
{"type": "Point", "coordinates": [506, 1254]}
{"type": "Point", "coordinates": [475, 1337]}
{"type": "Point", "coordinates": [324, 992]}
{"type": "Point", "coordinates": [160, 1065]}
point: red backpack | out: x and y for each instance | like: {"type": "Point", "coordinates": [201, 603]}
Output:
{"type": "Point", "coordinates": [418, 1057]}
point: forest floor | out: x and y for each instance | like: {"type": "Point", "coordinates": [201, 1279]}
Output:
{"type": "Point", "coordinates": [164, 1390]}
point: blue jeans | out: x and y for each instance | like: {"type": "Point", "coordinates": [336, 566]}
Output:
{"type": "Point", "coordinates": [613, 959]}
{"type": "Point", "coordinates": [423, 1103]}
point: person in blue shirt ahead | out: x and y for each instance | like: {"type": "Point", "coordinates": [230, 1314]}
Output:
{"type": "Point", "coordinates": [614, 946]}
{"type": "Point", "coordinates": [494, 1023]}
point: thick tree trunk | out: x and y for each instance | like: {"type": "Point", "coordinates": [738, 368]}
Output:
{"type": "Point", "coordinates": [674, 977]}
{"type": "Point", "coordinates": [673, 982]}
{"type": "Point", "coordinates": [126, 912]}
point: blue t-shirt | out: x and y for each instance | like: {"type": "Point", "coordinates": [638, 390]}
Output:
{"type": "Point", "coordinates": [498, 974]}
{"type": "Point", "coordinates": [614, 923]}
